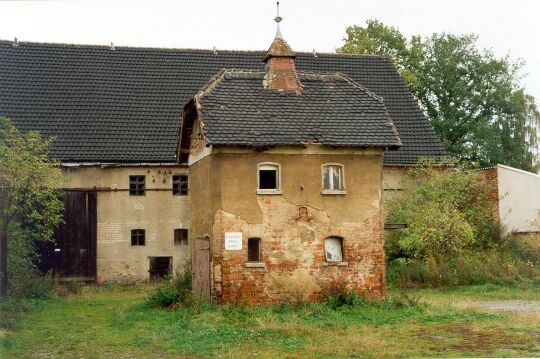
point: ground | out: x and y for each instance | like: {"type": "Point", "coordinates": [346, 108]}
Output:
{"type": "Point", "coordinates": [113, 321]}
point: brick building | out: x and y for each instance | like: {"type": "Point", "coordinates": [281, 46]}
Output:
{"type": "Point", "coordinates": [332, 131]}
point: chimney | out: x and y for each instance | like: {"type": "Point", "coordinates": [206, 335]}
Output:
{"type": "Point", "coordinates": [280, 68]}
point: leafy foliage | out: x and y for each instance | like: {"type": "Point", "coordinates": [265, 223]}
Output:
{"type": "Point", "coordinates": [447, 210]}
{"type": "Point", "coordinates": [171, 292]}
{"type": "Point", "coordinates": [473, 99]}
{"type": "Point", "coordinates": [30, 203]}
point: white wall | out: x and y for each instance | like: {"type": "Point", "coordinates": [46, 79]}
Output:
{"type": "Point", "coordinates": [519, 205]}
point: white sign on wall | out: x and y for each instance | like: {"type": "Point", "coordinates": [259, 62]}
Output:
{"type": "Point", "coordinates": [233, 241]}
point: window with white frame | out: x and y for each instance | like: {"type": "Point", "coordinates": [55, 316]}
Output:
{"type": "Point", "coordinates": [333, 248]}
{"type": "Point", "coordinates": [332, 177]}
{"type": "Point", "coordinates": [268, 178]}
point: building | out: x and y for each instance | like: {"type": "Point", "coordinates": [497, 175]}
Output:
{"type": "Point", "coordinates": [116, 114]}
{"type": "Point", "coordinates": [517, 193]}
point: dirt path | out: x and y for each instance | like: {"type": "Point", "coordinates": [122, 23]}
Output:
{"type": "Point", "coordinates": [525, 306]}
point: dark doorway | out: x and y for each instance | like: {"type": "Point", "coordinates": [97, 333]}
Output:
{"type": "Point", "coordinates": [160, 267]}
{"type": "Point", "coordinates": [73, 255]}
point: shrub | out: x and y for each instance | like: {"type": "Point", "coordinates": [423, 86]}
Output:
{"type": "Point", "coordinates": [337, 294]}
{"type": "Point", "coordinates": [447, 211]}
{"type": "Point", "coordinates": [172, 291]}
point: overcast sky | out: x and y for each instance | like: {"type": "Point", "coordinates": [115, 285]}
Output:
{"type": "Point", "coordinates": [507, 26]}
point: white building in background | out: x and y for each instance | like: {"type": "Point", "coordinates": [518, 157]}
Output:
{"type": "Point", "coordinates": [519, 200]}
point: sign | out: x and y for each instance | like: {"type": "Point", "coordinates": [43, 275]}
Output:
{"type": "Point", "coordinates": [233, 241]}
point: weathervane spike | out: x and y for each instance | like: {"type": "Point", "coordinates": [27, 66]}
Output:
{"type": "Point", "coordinates": [278, 19]}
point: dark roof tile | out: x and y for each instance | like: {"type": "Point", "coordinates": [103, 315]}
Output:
{"type": "Point", "coordinates": [125, 105]}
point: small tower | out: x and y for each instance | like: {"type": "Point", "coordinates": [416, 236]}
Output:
{"type": "Point", "coordinates": [280, 67]}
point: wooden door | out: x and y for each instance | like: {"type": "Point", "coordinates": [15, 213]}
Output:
{"type": "Point", "coordinates": [200, 267]}
{"type": "Point", "coordinates": [73, 255]}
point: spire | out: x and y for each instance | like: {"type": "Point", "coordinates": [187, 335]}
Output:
{"type": "Point", "coordinates": [280, 68]}
{"type": "Point", "coordinates": [278, 19]}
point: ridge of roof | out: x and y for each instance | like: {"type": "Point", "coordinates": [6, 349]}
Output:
{"type": "Point", "coordinates": [172, 49]}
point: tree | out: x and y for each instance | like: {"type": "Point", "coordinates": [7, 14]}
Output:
{"type": "Point", "coordinates": [30, 206]}
{"type": "Point", "coordinates": [473, 99]}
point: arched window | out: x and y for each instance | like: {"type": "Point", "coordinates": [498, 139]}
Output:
{"type": "Point", "coordinates": [268, 178]}
{"type": "Point", "coordinates": [333, 178]}
{"type": "Point", "coordinates": [333, 249]}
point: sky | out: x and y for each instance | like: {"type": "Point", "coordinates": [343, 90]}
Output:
{"type": "Point", "coordinates": [506, 26]}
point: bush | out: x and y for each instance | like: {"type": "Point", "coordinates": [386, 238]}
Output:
{"type": "Point", "coordinates": [447, 211]}
{"type": "Point", "coordinates": [336, 294]}
{"type": "Point", "coordinates": [175, 291]}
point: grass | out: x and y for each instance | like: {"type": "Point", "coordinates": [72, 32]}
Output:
{"type": "Point", "coordinates": [113, 321]}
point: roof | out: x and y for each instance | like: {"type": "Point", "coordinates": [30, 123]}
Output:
{"type": "Point", "coordinates": [332, 110]}
{"type": "Point", "coordinates": [125, 105]}
{"type": "Point", "coordinates": [279, 48]}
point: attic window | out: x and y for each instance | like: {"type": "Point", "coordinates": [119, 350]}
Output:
{"type": "Point", "coordinates": [137, 186]}
{"type": "Point", "coordinates": [180, 185]}
{"type": "Point", "coordinates": [332, 179]}
{"type": "Point", "coordinates": [268, 178]}
{"type": "Point", "coordinates": [180, 237]}
{"type": "Point", "coordinates": [333, 248]}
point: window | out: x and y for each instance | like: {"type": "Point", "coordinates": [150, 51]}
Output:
{"type": "Point", "coordinates": [333, 247]}
{"type": "Point", "coordinates": [180, 185]}
{"type": "Point", "coordinates": [180, 237]}
{"type": "Point", "coordinates": [268, 178]}
{"type": "Point", "coordinates": [137, 185]}
{"type": "Point", "coordinates": [160, 267]}
{"type": "Point", "coordinates": [254, 250]}
{"type": "Point", "coordinates": [137, 237]}
{"type": "Point", "coordinates": [332, 178]}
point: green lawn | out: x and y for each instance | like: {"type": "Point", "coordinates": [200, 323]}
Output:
{"type": "Point", "coordinates": [114, 322]}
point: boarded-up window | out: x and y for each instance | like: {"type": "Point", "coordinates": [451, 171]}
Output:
{"type": "Point", "coordinates": [180, 185]}
{"type": "Point", "coordinates": [180, 237]}
{"type": "Point", "coordinates": [333, 247]}
{"type": "Point", "coordinates": [333, 177]}
{"type": "Point", "coordinates": [138, 237]}
{"type": "Point", "coordinates": [254, 250]}
{"type": "Point", "coordinates": [268, 177]}
{"type": "Point", "coordinates": [137, 185]}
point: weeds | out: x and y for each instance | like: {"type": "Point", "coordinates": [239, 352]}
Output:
{"type": "Point", "coordinates": [173, 292]}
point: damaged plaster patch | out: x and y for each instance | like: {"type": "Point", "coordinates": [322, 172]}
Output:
{"type": "Point", "coordinates": [297, 286]}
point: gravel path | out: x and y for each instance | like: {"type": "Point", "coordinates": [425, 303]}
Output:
{"type": "Point", "coordinates": [527, 306]}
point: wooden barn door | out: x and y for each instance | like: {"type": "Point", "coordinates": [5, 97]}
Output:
{"type": "Point", "coordinates": [200, 266]}
{"type": "Point", "coordinates": [73, 255]}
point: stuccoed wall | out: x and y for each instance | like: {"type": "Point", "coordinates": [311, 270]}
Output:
{"type": "Point", "coordinates": [158, 212]}
{"type": "Point", "coordinates": [292, 248]}
{"type": "Point", "coordinates": [519, 204]}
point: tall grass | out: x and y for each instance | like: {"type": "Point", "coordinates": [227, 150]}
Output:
{"type": "Point", "coordinates": [515, 261]}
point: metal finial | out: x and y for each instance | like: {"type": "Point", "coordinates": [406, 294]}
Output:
{"type": "Point", "coordinates": [16, 42]}
{"type": "Point", "coordinates": [278, 19]}
{"type": "Point", "coordinates": [112, 46]}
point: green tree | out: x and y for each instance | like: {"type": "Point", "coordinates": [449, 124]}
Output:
{"type": "Point", "coordinates": [30, 205]}
{"type": "Point", "coordinates": [473, 99]}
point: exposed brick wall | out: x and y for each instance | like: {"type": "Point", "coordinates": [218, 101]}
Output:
{"type": "Point", "coordinates": [294, 256]}
{"type": "Point", "coordinates": [491, 176]}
